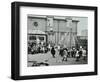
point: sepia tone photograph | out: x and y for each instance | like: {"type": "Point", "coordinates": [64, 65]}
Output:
{"type": "Point", "coordinates": [56, 40]}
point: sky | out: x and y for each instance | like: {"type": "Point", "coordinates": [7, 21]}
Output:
{"type": "Point", "coordinates": [82, 24]}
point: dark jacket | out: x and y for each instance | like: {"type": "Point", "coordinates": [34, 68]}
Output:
{"type": "Point", "coordinates": [53, 51]}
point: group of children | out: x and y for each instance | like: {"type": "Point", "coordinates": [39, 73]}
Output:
{"type": "Point", "coordinates": [65, 53]}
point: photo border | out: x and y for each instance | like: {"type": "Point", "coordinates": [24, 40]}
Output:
{"type": "Point", "coordinates": [15, 40]}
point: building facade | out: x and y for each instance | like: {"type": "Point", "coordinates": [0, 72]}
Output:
{"type": "Point", "coordinates": [59, 30]}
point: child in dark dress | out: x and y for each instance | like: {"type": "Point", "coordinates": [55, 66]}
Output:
{"type": "Point", "coordinates": [53, 52]}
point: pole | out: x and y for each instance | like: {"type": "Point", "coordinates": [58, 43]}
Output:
{"type": "Point", "coordinates": [58, 34]}
{"type": "Point", "coordinates": [70, 36]}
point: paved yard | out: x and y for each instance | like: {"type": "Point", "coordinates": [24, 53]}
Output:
{"type": "Point", "coordinates": [48, 59]}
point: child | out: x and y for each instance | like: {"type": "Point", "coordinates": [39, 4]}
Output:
{"type": "Point", "coordinates": [77, 55]}
{"type": "Point", "coordinates": [53, 52]}
{"type": "Point", "coordinates": [65, 55]}
{"type": "Point", "coordinates": [84, 54]}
